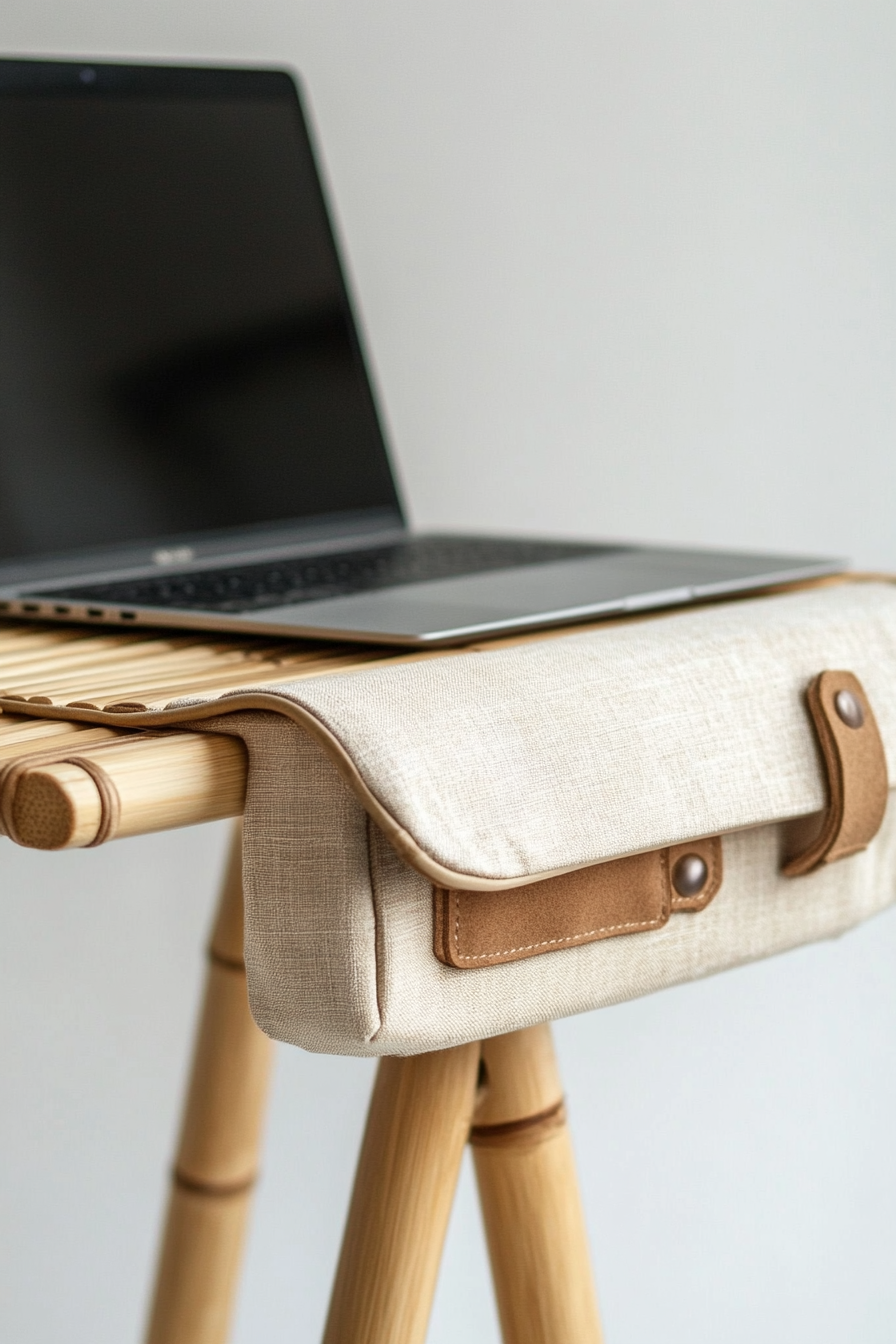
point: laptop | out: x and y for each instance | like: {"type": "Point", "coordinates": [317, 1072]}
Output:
{"type": "Point", "coordinates": [188, 432]}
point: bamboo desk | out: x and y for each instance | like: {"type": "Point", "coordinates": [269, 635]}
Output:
{"type": "Point", "coordinates": [504, 1096]}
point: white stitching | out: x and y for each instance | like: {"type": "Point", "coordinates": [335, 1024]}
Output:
{"type": "Point", "coordinates": [665, 860]}
{"type": "Point", "coordinates": [548, 942]}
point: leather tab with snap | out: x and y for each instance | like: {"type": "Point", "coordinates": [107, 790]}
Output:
{"type": "Point", "coordinates": [855, 766]}
{"type": "Point", "coordinates": [630, 895]}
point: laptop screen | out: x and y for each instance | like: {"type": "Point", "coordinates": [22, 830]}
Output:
{"type": "Point", "coordinates": [177, 351]}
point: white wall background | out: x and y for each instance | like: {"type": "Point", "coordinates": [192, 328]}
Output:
{"type": "Point", "coordinates": [626, 269]}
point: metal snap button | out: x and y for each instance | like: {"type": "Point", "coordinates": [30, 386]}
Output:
{"type": "Point", "coordinates": [689, 875]}
{"type": "Point", "coordinates": [848, 709]}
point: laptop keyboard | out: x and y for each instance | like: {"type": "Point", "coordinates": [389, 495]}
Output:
{"type": "Point", "coordinates": [275, 583]}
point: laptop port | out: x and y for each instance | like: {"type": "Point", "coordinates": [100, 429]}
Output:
{"type": "Point", "coordinates": [62, 611]}
{"type": "Point", "coordinates": [30, 607]}
{"type": "Point", "coordinates": [95, 611]}
{"type": "Point", "coordinates": [127, 615]}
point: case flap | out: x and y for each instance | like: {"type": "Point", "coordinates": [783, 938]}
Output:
{"type": "Point", "coordinates": [508, 764]}
{"type": "Point", "coordinates": [498, 767]}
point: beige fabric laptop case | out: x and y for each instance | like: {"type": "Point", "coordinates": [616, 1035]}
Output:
{"type": "Point", "coordinates": [381, 800]}
{"type": "Point", "coordinates": [445, 849]}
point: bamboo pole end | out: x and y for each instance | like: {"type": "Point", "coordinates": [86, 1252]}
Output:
{"type": "Point", "coordinates": [56, 806]}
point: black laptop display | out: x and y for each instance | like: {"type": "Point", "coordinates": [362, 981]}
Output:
{"type": "Point", "coordinates": [187, 429]}
{"type": "Point", "coordinates": [176, 350]}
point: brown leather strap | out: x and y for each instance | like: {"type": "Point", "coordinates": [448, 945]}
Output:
{"type": "Point", "coordinates": [608, 900]}
{"type": "Point", "coordinates": [855, 766]}
{"type": "Point", "coordinates": [110, 803]}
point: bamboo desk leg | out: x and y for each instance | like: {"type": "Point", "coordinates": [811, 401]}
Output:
{"type": "Point", "coordinates": [417, 1127]}
{"type": "Point", "coordinates": [218, 1154]}
{"type": "Point", "coordinates": [530, 1199]}
{"type": "Point", "coordinates": [418, 1123]}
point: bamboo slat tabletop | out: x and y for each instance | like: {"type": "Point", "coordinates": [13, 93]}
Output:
{"type": "Point", "coordinates": [85, 668]}
{"type": "Point", "coordinates": [49, 798]}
